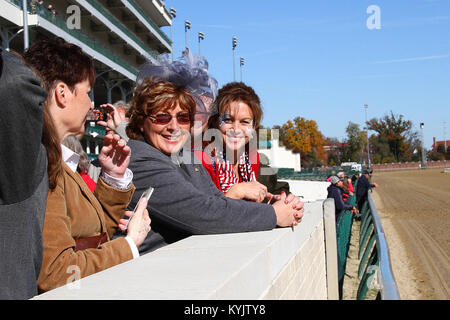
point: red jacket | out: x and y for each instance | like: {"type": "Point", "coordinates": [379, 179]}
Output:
{"type": "Point", "coordinates": [350, 186]}
{"type": "Point", "coordinates": [349, 189]}
{"type": "Point", "coordinates": [207, 163]}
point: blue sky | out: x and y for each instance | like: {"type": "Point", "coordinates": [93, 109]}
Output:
{"type": "Point", "coordinates": [319, 60]}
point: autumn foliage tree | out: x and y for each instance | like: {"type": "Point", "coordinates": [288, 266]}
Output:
{"type": "Point", "coordinates": [303, 136]}
{"type": "Point", "coordinates": [395, 134]}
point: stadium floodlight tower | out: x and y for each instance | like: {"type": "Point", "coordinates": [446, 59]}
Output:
{"type": "Point", "coordinates": [445, 138]}
{"type": "Point", "coordinates": [234, 45]}
{"type": "Point", "coordinates": [187, 26]}
{"type": "Point", "coordinates": [173, 14]}
{"type": "Point", "coordinates": [241, 64]}
{"type": "Point", "coordinates": [367, 134]}
{"type": "Point", "coordinates": [424, 156]}
{"type": "Point", "coordinates": [201, 36]}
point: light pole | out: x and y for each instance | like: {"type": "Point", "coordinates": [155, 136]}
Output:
{"type": "Point", "coordinates": [234, 43]}
{"type": "Point", "coordinates": [201, 36]}
{"type": "Point", "coordinates": [445, 138]}
{"type": "Point", "coordinates": [187, 25]}
{"type": "Point", "coordinates": [367, 134]}
{"type": "Point", "coordinates": [173, 13]}
{"type": "Point", "coordinates": [424, 156]}
{"type": "Point", "coordinates": [26, 40]}
{"type": "Point", "coordinates": [241, 64]}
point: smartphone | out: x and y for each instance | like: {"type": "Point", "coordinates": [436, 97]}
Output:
{"type": "Point", "coordinates": [97, 114]}
{"type": "Point", "coordinates": [101, 115]}
{"type": "Point", "coordinates": [147, 194]}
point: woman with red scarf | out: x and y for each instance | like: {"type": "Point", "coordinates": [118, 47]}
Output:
{"type": "Point", "coordinates": [232, 159]}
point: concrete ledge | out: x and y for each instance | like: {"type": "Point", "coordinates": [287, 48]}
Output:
{"type": "Point", "coordinates": [277, 264]}
{"type": "Point", "coordinates": [329, 219]}
{"type": "Point", "coordinates": [309, 190]}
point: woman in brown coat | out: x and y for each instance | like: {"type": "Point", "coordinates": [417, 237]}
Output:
{"type": "Point", "coordinates": [78, 223]}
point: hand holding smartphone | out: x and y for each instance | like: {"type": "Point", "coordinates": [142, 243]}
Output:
{"type": "Point", "coordinates": [146, 194]}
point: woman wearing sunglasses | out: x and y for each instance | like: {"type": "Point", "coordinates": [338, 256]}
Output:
{"type": "Point", "coordinates": [190, 72]}
{"type": "Point", "coordinates": [185, 201]}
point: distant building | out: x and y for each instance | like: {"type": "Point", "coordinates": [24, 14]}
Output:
{"type": "Point", "coordinates": [444, 143]}
{"type": "Point", "coordinates": [336, 149]}
{"type": "Point", "coordinates": [280, 157]}
{"type": "Point", "coordinates": [120, 35]}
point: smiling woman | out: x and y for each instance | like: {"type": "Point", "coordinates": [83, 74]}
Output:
{"type": "Point", "coordinates": [161, 114]}
{"type": "Point", "coordinates": [233, 160]}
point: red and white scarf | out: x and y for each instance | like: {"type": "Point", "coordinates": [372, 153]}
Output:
{"type": "Point", "coordinates": [227, 176]}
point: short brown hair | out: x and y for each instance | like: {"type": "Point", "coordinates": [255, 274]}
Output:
{"type": "Point", "coordinates": [152, 96]}
{"type": "Point", "coordinates": [235, 92]}
{"type": "Point", "coordinates": [57, 60]}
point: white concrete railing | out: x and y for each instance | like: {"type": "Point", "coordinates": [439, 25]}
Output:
{"type": "Point", "coordinates": [309, 190]}
{"type": "Point", "coordinates": [283, 263]}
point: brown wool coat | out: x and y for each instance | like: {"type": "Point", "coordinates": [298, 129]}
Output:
{"type": "Point", "coordinates": [73, 211]}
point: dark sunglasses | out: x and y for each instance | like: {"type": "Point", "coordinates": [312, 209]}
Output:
{"type": "Point", "coordinates": [165, 118]}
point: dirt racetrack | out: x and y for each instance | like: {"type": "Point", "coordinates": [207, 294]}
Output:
{"type": "Point", "coordinates": [414, 208]}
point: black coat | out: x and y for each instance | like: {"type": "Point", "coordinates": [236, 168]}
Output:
{"type": "Point", "coordinates": [362, 188]}
{"type": "Point", "coordinates": [23, 178]}
{"type": "Point", "coordinates": [335, 193]}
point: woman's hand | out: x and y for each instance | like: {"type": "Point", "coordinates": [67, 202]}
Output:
{"type": "Point", "coordinates": [295, 201]}
{"type": "Point", "coordinates": [114, 156]}
{"type": "Point", "coordinates": [253, 191]}
{"type": "Point", "coordinates": [289, 210]}
{"type": "Point", "coordinates": [113, 118]}
{"type": "Point", "coordinates": [139, 224]}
